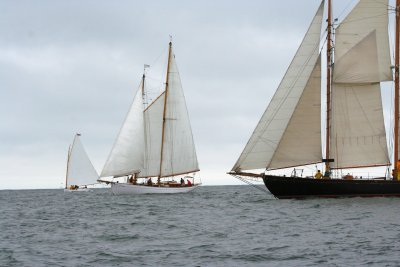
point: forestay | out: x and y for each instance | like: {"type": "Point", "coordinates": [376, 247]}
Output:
{"type": "Point", "coordinates": [278, 141]}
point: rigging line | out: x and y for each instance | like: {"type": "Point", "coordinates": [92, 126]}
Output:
{"type": "Point", "coordinates": [159, 56]}
{"type": "Point", "coordinates": [157, 80]}
{"type": "Point", "coordinates": [390, 8]}
{"type": "Point", "coordinates": [361, 19]}
{"type": "Point", "coordinates": [343, 10]}
{"type": "Point", "coordinates": [283, 98]}
{"type": "Point", "coordinates": [299, 73]}
{"type": "Point", "coordinates": [119, 133]}
{"type": "Point", "coordinates": [244, 180]}
{"type": "Point", "coordinates": [268, 142]}
{"type": "Point", "coordinates": [297, 77]}
{"type": "Point", "coordinates": [311, 166]}
{"type": "Point", "coordinates": [148, 77]}
{"type": "Point", "coordinates": [287, 96]}
{"type": "Point", "coordinates": [387, 5]}
{"type": "Point", "coordinates": [392, 44]}
{"type": "Point", "coordinates": [279, 105]}
{"type": "Point", "coordinates": [303, 166]}
{"type": "Point", "coordinates": [325, 38]}
{"type": "Point", "coordinates": [352, 89]}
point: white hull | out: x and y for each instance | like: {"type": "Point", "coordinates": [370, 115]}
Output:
{"type": "Point", "coordinates": [77, 190]}
{"type": "Point", "coordinates": [124, 188]}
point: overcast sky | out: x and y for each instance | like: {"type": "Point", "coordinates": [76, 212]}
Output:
{"type": "Point", "coordinates": [74, 66]}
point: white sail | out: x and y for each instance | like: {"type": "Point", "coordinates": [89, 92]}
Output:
{"type": "Point", "coordinates": [143, 143]}
{"type": "Point", "coordinates": [269, 145]}
{"type": "Point", "coordinates": [153, 117]}
{"type": "Point", "coordinates": [303, 133]}
{"type": "Point", "coordinates": [179, 153]}
{"type": "Point", "coordinates": [362, 52]}
{"type": "Point", "coordinates": [80, 170]}
{"type": "Point", "coordinates": [127, 154]}
{"type": "Point", "coordinates": [358, 133]}
{"type": "Point", "coordinates": [362, 60]}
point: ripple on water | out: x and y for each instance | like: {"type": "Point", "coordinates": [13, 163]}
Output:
{"type": "Point", "coordinates": [212, 226]}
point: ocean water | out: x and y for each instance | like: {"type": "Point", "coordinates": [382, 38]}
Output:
{"type": "Point", "coordinates": [212, 226]}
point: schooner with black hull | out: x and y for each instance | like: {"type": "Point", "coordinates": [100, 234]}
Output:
{"type": "Point", "coordinates": [289, 132]}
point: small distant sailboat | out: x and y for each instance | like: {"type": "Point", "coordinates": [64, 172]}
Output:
{"type": "Point", "coordinates": [289, 133]}
{"type": "Point", "coordinates": [80, 171]}
{"type": "Point", "coordinates": [155, 142]}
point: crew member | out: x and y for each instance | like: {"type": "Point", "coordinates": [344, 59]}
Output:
{"type": "Point", "coordinates": [318, 175]}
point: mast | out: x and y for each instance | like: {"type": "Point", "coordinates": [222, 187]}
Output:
{"type": "Point", "coordinates": [143, 77]}
{"type": "Point", "coordinates": [143, 88]}
{"type": "Point", "coordinates": [164, 112]}
{"type": "Point", "coordinates": [328, 86]}
{"type": "Point", "coordinates": [396, 93]}
{"type": "Point", "coordinates": [144, 118]}
{"type": "Point", "coordinates": [66, 175]}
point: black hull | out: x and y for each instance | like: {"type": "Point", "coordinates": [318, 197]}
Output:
{"type": "Point", "coordinates": [295, 187]}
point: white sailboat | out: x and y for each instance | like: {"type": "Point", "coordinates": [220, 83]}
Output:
{"type": "Point", "coordinates": [155, 144]}
{"type": "Point", "coordinates": [80, 171]}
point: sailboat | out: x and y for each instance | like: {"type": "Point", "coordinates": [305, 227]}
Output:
{"type": "Point", "coordinates": [155, 144]}
{"type": "Point", "coordinates": [80, 171]}
{"type": "Point", "coordinates": [289, 134]}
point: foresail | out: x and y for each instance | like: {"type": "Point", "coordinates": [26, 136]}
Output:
{"type": "Point", "coordinates": [303, 133]}
{"type": "Point", "coordinates": [153, 117]}
{"type": "Point", "coordinates": [127, 154]}
{"type": "Point", "coordinates": [270, 144]}
{"type": "Point", "coordinates": [362, 53]}
{"type": "Point", "coordinates": [179, 153]}
{"type": "Point", "coordinates": [358, 133]}
{"type": "Point", "coordinates": [80, 169]}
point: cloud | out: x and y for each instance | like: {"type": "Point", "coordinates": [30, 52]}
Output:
{"type": "Point", "coordinates": [73, 66]}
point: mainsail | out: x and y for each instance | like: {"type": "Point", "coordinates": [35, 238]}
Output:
{"type": "Point", "coordinates": [80, 170]}
{"type": "Point", "coordinates": [179, 153]}
{"type": "Point", "coordinates": [362, 61]}
{"type": "Point", "coordinates": [293, 114]}
{"type": "Point", "coordinates": [156, 141]}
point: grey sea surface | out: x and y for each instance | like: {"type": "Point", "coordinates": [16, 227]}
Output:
{"type": "Point", "coordinates": [211, 226]}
